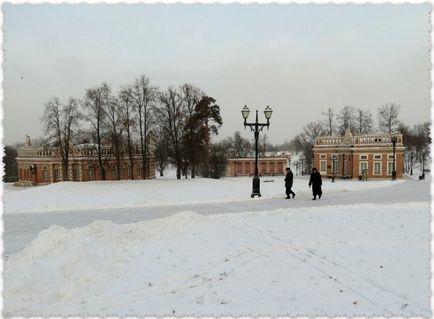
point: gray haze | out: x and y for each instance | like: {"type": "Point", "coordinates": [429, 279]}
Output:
{"type": "Point", "coordinates": [299, 59]}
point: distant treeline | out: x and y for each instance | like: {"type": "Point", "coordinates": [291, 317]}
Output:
{"type": "Point", "coordinates": [176, 126]}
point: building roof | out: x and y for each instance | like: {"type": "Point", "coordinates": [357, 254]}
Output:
{"type": "Point", "coordinates": [365, 140]}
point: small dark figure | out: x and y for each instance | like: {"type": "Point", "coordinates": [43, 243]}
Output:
{"type": "Point", "coordinates": [288, 183]}
{"type": "Point", "coordinates": [315, 181]}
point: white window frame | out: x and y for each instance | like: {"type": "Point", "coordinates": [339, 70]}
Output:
{"type": "Point", "coordinates": [381, 168]}
{"type": "Point", "coordinates": [362, 157]}
{"type": "Point", "coordinates": [390, 157]}
{"type": "Point", "coordinates": [390, 164]}
{"type": "Point", "coordinates": [321, 162]}
{"type": "Point", "coordinates": [323, 156]}
{"type": "Point", "coordinates": [360, 167]}
{"type": "Point", "coordinates": [378, 157]}
{"type": "Point", "coordinates": [334, 165]}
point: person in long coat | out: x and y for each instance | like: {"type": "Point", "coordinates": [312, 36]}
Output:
{"type": "Point", "coordinates": [315, 181]}
{"type": "Point", "coordinates": [288, 183]}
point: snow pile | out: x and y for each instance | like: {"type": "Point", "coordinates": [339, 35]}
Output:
{"type": "Point", "coordinates": [358, 260]}
{"type": "Point", "coordinates": [161, 192]}
{"type": "Point", "coordinates": [67, 267]}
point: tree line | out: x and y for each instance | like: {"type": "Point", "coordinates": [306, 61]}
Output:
{"type": "Point", "coordinates": [177, 123]}
{"type": "Point", "coordinates": [417, 139]}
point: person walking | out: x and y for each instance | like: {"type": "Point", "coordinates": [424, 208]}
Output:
{"type": "Point", "coordinates": [288, 183]}
{"type": "Point", "coordinates": [315, 181]}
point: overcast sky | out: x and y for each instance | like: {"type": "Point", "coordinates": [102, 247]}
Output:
{"type": "Point", "coordinates": [298, 59]}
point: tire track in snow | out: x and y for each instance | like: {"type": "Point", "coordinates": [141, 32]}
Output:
{"type": "Point", "coordinates": [350, 279]}
{"type": "Point", "coordinates": [372, 286]}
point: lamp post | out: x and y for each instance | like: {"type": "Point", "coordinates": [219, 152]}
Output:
{"type": "Point", "coordinates": [256, 127]}
{"type": "Point", "coordinates": [394, 139]}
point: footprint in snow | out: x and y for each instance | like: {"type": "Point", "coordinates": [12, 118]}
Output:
{"type": "Point", "coordinates": [199, 300]}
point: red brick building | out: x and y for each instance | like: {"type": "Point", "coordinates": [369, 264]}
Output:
{"type": "Point", "coordinates": [246, 166]}
{"type": "Point", "coordinates": [41, 165]}
{"type": "Point", "coordinates": [350, 156]}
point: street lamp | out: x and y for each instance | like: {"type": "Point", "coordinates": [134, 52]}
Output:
{"type": "Point", "coordinates": [256, 127]}
{"type": "Point", "coordinates": [394, 139]}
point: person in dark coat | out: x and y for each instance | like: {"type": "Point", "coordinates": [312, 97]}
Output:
{"type": "Point", "coordinates": [288, 183]}
{"type": "Point", "coordinates": [315, 181]}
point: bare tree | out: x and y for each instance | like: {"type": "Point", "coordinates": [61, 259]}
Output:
{"type": "Point", "coordinates": [304, 141]}
{"type": "Point", "coordinates": [364, 122]}
{"type": "Point", "coordinates": [161, 149]}
{"type": "Point", "coordinates": [346, 119]}
{"type": "Point", "coordinates": [330, 121]}
{"type": "Point", "coordinates": [217, 159]}
{"type": "Point", "coordinates": [409, 143]}
{"type": "Point", "coordinates": [115, 130]}
{"type": "Point", "coordinates": [171, 114]}
{"type": "Point", "coordinates": [417, 143]}
{"type": "Point", "coordinates": [191, 95]}
{"type": "Point", "coordinates": [388, 117]}
{"type": "Point", "coordinates": [238, 146]}
{"type": "Point", "coordinates": [128, 120]}
{"type": "Point", "coordinates": [145, 98]}
{"type": "Point", "coordinates": [95, 106]}
{"type": "Point", "coordinates": [60, 121]}
{"type": "Point", "coordinates": [264, 144]}
{"type": "Point", "coordinates": [422, 142]}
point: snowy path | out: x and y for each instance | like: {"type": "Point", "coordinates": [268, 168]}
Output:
{"type": "Point", "coordinates": [22, 228]}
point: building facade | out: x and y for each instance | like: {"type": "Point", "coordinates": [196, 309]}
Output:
{"type": "Point", "coordinates": [349, 156]}
{"type": "Point", "coordinates": [267, 166]}
{"type": "Point", "coordinates": [41, 165]}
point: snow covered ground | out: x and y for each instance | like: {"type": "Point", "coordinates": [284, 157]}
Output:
{"type": "Point", "coordinates": [360, 260]}
{"type": "Point", "coordinates": [368, 257]}
{"type": "Point", "coordinates": [73, 196]}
